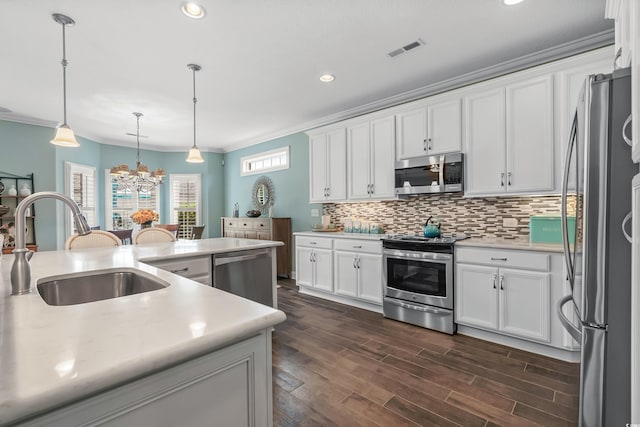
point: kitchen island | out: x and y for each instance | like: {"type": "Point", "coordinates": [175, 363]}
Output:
{"type": "Point", "coordinates": [135, 356]}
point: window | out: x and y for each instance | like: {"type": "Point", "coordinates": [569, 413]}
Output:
{"type": "Point", "coordinates": [267, 161]}
{"type": "Point", "coordinates": [186, 190]}
{"type": "Point", "coordinates": [80, 185]}
{"type": "Point", "coordinates": [122, 203]}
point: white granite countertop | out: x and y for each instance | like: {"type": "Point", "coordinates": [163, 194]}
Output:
{"type": "Point", "coordinates": [54, 355]}
{"type": "Point", "coordinates": [518, 243]}
{"type": "Point", "coordinates": [341, 235]}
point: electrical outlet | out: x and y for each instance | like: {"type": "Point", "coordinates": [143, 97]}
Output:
{"type": "Point", "coordinates": [315, 212]}
{"type": "Point", "coordinates": [387, 221]}
{"type": "Point", "coordinates": [509, 222]}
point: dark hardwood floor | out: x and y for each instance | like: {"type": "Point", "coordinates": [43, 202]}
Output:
{"type": "Point", "coordinates": [339, 365]}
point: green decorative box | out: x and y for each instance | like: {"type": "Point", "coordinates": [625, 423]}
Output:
{"type": "Point", "coordinates": [548, 228]}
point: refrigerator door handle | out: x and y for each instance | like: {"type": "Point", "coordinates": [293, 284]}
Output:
{"type": "Point", "coordinates": [565, 189]}
{"type": "Point", "coordinates": [628, 140]}
{"type": "Point", "coordinates": [626, 219]}
{"type": "Point", "coordinates": [573, 330]}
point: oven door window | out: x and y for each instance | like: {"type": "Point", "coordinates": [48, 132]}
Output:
{"type": "Point", "coordinates": [420, 277]}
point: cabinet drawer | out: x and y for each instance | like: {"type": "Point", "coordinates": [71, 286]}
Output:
{"type": "Point", "coordinates": [314, 242]}
{"type": "Point", "coordinates": [186, 267]}
{"type": "Point", "coordinates": [358, 246]}
{"type": "Point", "coordinates": [232, 223]}
{"type": "Point", "coordinates": [262, 224]}
{"type": "Point", "coordinates": [504, 258]}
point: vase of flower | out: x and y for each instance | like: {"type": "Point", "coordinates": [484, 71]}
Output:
{"type": "Point", "coordinates": [146, 225]}
{"type": "Point", "coordinates": [144, 217]}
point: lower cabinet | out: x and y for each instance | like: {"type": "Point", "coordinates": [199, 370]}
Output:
{"type": "Point", "coordinates": [512, 293]}
{"type": "Point", "coordinates": [345, 270]}
{"type": "Point", "coordinates": [229, 387]}
{"type": "Point", "coordinates": [194, 268]}
{"type": "Point", "coordinates": [314, 263]}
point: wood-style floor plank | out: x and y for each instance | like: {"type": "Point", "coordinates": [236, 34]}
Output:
{"type": "Point", "coordinates": [336, 365]}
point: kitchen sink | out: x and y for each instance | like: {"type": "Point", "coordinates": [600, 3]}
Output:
{"type": "Point", "coordinates": [96, 286]}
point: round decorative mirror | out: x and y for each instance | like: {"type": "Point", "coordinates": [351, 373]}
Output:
{"type": "Point", "coordinates": [263, 194]}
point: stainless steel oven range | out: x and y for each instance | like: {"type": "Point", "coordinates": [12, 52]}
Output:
{"type": "Point", "coordinates": [418, 280]}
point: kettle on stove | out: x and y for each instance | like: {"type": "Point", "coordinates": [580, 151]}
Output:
{"type": "Point", "coordinates": [431, 228]}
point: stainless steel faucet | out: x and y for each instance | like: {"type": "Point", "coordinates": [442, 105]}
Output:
{"type": "Point", "coordinates": [21, 271]}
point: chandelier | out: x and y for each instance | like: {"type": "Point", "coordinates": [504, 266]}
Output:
{"type": "Point", "coordinates": [138, 178]}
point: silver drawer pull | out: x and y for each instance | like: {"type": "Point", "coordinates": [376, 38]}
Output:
{"type": "Point", "coordinates": [180, 270]}
{"type": "Point", "coordinates": [497, 259]}
{"type": "Point", "coordinates": [357, 247]}
{"type": "Point", "coordinates": [313, 243]}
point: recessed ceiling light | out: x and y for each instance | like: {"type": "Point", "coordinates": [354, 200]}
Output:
{"type": "Point", "coordinates": [512, 2]}
{"type": "Point", "coordinates": [327, 78]}
{"type": "Point", "coordinates": [193, 10]}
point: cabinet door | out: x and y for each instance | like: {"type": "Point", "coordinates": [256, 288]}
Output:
{"type": "Point", "coordinates": [346, 273]}
{"type": "Point", "coordinates": [412, 134]}
{"type": "Point", "coordinates": [525, 304]}
{"type": "Point", "coordinates": [337, 165]}
{"type": "Point", "coordinates": [304, 266]}
{"type": "Point", "coordinates": [530, 165]}
{"type": "Point", "coordinates": [444, 127]}
{"type": "Point", "coordinates": [359, 155]}
{"type": "Point", "coordinates": [370, 277]}
{"type": "Point", "coordinates": [382, 159]}
{"type": "Point", "coordinates": [263, 235]}
{"type": "Point", "coordinates": [318, 168]}
{"type": "Point", "coordinates": [485, 143]}
{"type": "Point", "coordinates": [634, 17]}
{"type": "Point", "coordinates": [323, 269]}
{"type": "Point", "coordinates": [476, 296]}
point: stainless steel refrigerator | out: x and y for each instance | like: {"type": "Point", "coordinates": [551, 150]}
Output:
{"type": "Point", "coordinates": [597, 176]}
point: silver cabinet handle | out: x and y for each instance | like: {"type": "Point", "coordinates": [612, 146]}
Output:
{"type": "Point", "coordinates": [497, 259]}
{"type": "Point", "coordinates": [180, 270]}
{"type": "Point", "coordinates": [313, 243]}
{"type": "Point", "coordinates": [509, 178]}
{"type": "Point", "coordinates": [628, 140]}
{"type": "Point", "coordinates": [624, 231]}
{"type": "Point", "coordinates": [372, 189]}
{"type": "Point", "coordinates": [328, 191]}
{"type": "Point", "coordinates": [501, 282]}
{"type": "Point", "coordinates": [494, 277]}
{"type": "Point", "coordinates": [424, 144]}
{"type": "Point", "coordinates": [502, 179]}
{"type": "Point", "coordinates": [358, 263]}
{"type": "Point", "coordinates": [314, 257]}
{"type": "Point", "coordinates": [310, 256]}
{"type": "Point", "coordinates": [429, 145]}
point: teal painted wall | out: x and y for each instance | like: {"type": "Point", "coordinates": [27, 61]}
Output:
{"type": "Point", "coordinates": [291, 185]}
{"type": "Point", "coordinates": [26, 148]}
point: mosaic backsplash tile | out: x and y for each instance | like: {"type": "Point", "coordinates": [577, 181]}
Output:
{"type": "Point", "coordinates": [477, 217]}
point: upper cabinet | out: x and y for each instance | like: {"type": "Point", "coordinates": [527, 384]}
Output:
{"type": "Point", "coordinates": [435, 128]}
{"type": "Point", "coordinates": [509, 139]}
{"type": "Point", "coordinates": [328, 166]}
{"type": "Point", "coordinates": [370, 160]}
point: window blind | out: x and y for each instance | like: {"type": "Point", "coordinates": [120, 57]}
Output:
{"type": "Point", "coordinates": [186, 190]}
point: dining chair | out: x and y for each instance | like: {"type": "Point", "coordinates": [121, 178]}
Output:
{"type": "Point", "coordinates": [153, 235]}
{"type": "Point", "coordinates": [174, 228]}
{"type": "Point", "coordinates": [196, 232]}
{"type": "Point", "coordinates": [123, 235]}
{"type": "Point", "coordinates": [95, 239]}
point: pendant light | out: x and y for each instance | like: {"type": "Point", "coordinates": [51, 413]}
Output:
{"type": "Point", "coordinates": [64, 135]}
{"type": "Point", "coordinates": [194, 153]}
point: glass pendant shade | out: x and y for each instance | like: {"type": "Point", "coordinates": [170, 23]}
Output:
{"type": "Point", "coordinates": [195, 156]}
{"type": "Point", "coordinates": [65, 137]}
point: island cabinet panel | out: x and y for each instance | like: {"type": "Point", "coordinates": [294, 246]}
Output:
{"type": "Point", "coordinates": [230, 387]}
{"type": "Point", "coordinates": [194, 268]}
{"type": "Point", "coordinates": [278, 229]}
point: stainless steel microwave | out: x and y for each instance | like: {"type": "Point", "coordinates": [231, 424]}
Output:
{"type": "Point", "coordinates": [430, 174]}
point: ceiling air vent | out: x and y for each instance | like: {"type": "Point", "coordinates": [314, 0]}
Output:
{"type": "Point", "coordinates": [405, 48]}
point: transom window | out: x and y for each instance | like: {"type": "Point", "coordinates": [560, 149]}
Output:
{"type": "Point", "coordinates": [266, 161]}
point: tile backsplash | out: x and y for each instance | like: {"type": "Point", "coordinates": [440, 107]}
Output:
{"type": "Point", "coordinates": [477, 217]}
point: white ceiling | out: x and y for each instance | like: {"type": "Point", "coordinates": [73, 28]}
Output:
{"type": "Point", "coordinates": [260, 60]}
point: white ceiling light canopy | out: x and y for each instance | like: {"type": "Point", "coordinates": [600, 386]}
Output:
{"type": "Point", "coordinates": [194, 153]}
{"type": "Point", "coordinates": [64, 134]}
{"type": "Point", "coordinates": [327, 78]}
{"type": "Point", "coordinates": [193, 10]}
{"type": "Point", "coordinates": [512, 2]}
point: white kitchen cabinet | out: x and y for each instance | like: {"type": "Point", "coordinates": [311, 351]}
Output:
{"type": "Point", "coordinates": [502, 298]}
{"type": "Point", "coordinates": [509, 139]}
{"type": "Point", "coordinates": [314, 263]}
{"type": "Point", "coordinates": [370, 154]}
{"type": "Point", "coordinates": [229, 387]}
{"type": "Point", "coordinates": [634, 18]}
{"type": "Point", "coordinates": [194, 268]}
{"type": "Point", "coordinates": [358, 270]}
{"type": "Point", "coordinates": [328, 166]}
{"type": "Point", "coordinates": [433, 129]}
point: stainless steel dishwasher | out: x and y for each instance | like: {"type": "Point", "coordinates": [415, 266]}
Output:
{"type": "Point", "coordinates": [248, 274]}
